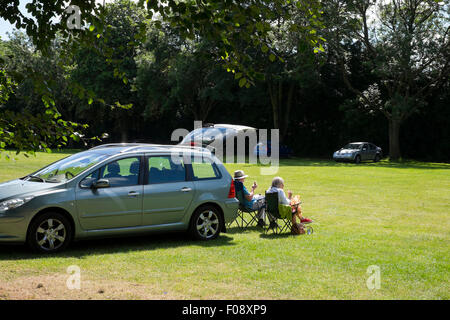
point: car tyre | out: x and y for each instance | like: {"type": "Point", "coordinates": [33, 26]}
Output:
{"type": "Point", "coordinates": [49, 233]}
{"type": "Point", "coordinates": [377, 158]}
{"type": "Point", "coordinates": [206, 223]}
{"type": "Point", "coordinates": [358, 159]}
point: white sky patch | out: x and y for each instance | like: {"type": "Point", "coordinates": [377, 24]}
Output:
{"type": "Point", "coordinates": [6, 27]}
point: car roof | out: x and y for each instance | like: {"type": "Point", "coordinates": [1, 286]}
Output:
{"type": "Point", "coordinates": [114, 148]}
{"type": "Point", "coordinates": [233, 126]}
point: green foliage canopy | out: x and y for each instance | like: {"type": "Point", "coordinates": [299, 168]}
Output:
{"type": "Point", "coordinates": [230, 23]}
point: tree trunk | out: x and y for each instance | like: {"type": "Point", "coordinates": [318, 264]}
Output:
{"type": "Point", "coordinates": [123, 126]}
{"type": "Point", "coordinates": [287, 112]}
{"type": "Point", "coordinates": [205, 107]}
{"type": "Point", "coordinates": [394, 139]}
{"type": "Point", "coordinates": [124, 135]}
{"type": "Point", "coordinates": [274, 103]}
{"type": "Point", "coordinates": [281, 115]}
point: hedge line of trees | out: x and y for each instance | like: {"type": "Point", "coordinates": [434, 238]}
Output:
{"type": "Point", "coordinates": [353, 86]}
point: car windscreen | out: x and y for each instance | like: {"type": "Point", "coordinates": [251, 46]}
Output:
{"type": "Point", "coordinates": [354, 146]}
{"type": "Point", "coordinates": [69, 167]}
{"type": "Point", "coordinates": [207, 134]}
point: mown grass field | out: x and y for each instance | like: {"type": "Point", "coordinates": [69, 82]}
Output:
{"type": "Point", "coordinates": [392, 215]}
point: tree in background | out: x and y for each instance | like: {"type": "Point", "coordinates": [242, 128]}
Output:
{"type": "Point", "coordinates": [218, 21]}
{"type": "Point", "coordinates": [171, 78]}
{"type": "Point", "coordinates": [29, 119]}
{"type": "Point", "coordinates": [33, 130]}
{"type": "Point", "coordinates": [154, 62]}
{"type": "Point", "coordinates": [294, 64]}
{"type": "Point", "coordinates": [110, 76]}
{"type": "Point", "coordinates": [198, 81]}
{"type": "Point", "coordinates": [407, 49]}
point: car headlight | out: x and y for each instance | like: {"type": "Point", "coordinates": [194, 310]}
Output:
{"type": "Point", "coordinates": [13, 203]}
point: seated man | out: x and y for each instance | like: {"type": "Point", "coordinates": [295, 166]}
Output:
{"type": "Point", "coordinates": [247, 199]}
{"type": "Point", "coordinates": [278, 186]}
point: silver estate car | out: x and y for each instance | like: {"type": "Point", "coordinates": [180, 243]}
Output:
{"type": "Point", "coordinates": [118, 189]}
{"type": "Point", "coordinates": [358, 151]}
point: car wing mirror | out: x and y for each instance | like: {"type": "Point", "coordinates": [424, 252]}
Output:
{"type": "Point", "coordinates": [102, 183]}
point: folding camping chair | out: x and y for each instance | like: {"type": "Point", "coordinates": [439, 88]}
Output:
{"type": "Point", "coordinates": [272, 209]}
{"type": "Point", "coordinates": [245, 217]}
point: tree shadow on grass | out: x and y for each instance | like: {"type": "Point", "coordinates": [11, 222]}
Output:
{"type": "Point", "coordinates": [93, 247]}
{"type": "Point", "coordinates": [405, 164]}
{"type": "Point", "coordinates": [264, 235]}
{"type": "Point", "coordinates": [236, 229]}
{"type": "Point", "coordinates": [272, 236]}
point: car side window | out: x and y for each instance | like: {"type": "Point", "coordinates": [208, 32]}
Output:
{"type": "Point", "coordinates": [89, 180]}
{"type": "Point", "coordinates": [121, 173]}
{"type": "Point", "coordinates": [371, 147]}
{"type": "Point", "coordinates": [165, 169]}
{"type": "Point", "coordinates": [204, 168]}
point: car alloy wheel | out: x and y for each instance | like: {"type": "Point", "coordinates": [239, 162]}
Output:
{"type": "Point", "coordinates": [377, 158]}
{"type": "Point", "coordinates": [49, 233]}
{"type": "Point", "coordinates": [358, 159]}
{"type": "Point", "coordinates": [206, 223]}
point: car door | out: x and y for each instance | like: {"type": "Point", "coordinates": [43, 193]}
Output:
{"type": "Point", "coordinates": [167, 192]}
{"type": "Point", "coordinates": [365, 153]}
{"type": "Point", "coordinates": [116, 206]}
{"type": "Point", "coordinates": [372, 151]}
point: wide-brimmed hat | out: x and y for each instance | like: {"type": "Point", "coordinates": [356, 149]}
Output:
{"type": "Point", "coordinates": [239, 174]}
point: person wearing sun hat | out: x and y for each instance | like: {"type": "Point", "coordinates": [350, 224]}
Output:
{"type": "Point", "coordinates": [249, 200]}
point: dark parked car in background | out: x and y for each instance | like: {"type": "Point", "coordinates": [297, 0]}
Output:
{"type": "Point", "coordinates": [358, 151]}
{"type": "Point", "coordinates": [265, 149]}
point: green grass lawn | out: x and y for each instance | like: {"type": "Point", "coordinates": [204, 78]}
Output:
{"type": "Point", "coordinates": [392, 215]}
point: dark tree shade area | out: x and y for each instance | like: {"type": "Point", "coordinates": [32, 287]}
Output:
{"type": "Point", "coordinates": [345, 77]}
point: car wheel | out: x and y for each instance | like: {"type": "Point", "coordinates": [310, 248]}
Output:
{"type": "Point", "coordinates": [358, 159]}
{"type": "Point", "coordinates": [49, 233]}
{"type": "Point", "coordinates": [205, 223]}
{"type": "Point", "coordinates": [377, 158]}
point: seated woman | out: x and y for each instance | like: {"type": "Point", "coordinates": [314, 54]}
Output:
{"type": "Point", "coordinates": [247, 199]}
{"type": "Point", "coordinates": [278, 186]}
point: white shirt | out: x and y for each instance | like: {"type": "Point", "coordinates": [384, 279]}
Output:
{"type": "Point", "coordinates": [281, 195]}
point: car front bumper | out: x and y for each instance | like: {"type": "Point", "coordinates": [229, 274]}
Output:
{"type": "Point", "coordinates": [345, 156]}
{"type": "Point", "coordinates": [13, 228]}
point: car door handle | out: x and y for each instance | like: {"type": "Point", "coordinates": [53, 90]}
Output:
{"type": "Point", "coordinates": [185, 189]}
{"type": "Point", "coordinates": [133, 193]}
